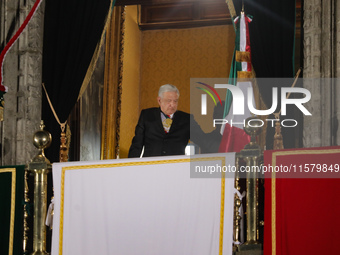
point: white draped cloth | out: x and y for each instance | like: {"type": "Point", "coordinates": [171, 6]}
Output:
{"type": "Point", "coordinates": [147, 206]}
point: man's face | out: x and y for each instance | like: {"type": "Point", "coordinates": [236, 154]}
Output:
{"type": "Point", "coordinates": [168, 102]}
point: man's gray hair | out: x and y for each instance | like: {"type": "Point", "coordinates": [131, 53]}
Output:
{"type": "Point", "coordinates": [167, 88]}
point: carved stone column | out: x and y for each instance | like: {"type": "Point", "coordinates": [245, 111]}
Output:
{"type": "Point", "coordinates": [321, 47]}
{"type": "Point", "coordinates": [22, 76]}
{"type": "Point", "coordinates": [337, 70]}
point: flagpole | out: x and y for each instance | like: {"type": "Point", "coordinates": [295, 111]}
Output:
{"type": "Point", "coordinates": [278, 139]}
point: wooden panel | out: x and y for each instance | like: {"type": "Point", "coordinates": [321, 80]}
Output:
{"type": "Point", "coordinates": [131, 2]}
{"type": "Point", "coordinates": [183, 24]}
{"type": "Point", "coordinates": [215, 10]}
{"type": "Point", "coordinates": [187, 14]}
{"type": "Point", "coordinates": [150, 2]}
{"type": "Point", "coordinates": [159, 14]}
{"type": "Point", "coordinates": [167, 13]}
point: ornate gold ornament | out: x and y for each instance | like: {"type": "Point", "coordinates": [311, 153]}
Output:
{"type": "Point", "coordinates": [167, 123]}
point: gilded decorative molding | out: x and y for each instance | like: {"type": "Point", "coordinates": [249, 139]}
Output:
{"type": "Point", "coordinates": [26, 203]}
{"type": "Point", "coordinates": [112, 85]}
{"type": "Point", "coordinates": [120, 79]}
{"type": "Point", "coordinates": [12, 210]}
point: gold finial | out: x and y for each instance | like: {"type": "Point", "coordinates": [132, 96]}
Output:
{"type": "Point", "coordinates": [42, 139]}
{"type": "Point", "coordinates": [253, 130]}
{"type": "Point", "coordinates": [42, 125]}
{"type": "Point", "coordinates": [278, 139]}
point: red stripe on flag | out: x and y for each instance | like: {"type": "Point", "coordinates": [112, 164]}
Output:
{"type": "Point", "coordinates": [247, 21]}
{"type": "Point", "coordinates": [233, 140]}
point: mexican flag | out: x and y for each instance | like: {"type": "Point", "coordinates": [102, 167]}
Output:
{"type": "Point", "coordinates": [233, 136]}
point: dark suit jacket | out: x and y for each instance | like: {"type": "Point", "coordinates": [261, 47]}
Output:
{"type": "Point", "coordinates": [150, 134]}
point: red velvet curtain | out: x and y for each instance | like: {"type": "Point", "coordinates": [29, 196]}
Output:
{"type": "Point", "coordinates": [301, 208]}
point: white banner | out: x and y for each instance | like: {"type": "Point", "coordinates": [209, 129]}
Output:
{"type": "Point", "coordinates": [147, 206]}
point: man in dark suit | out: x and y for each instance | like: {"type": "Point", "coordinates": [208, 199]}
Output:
{"type": "Point", "coordinates": [162, 130]}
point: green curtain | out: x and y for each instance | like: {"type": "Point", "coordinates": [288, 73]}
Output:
{"type": "Point", "coordinates": [11, 209]}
